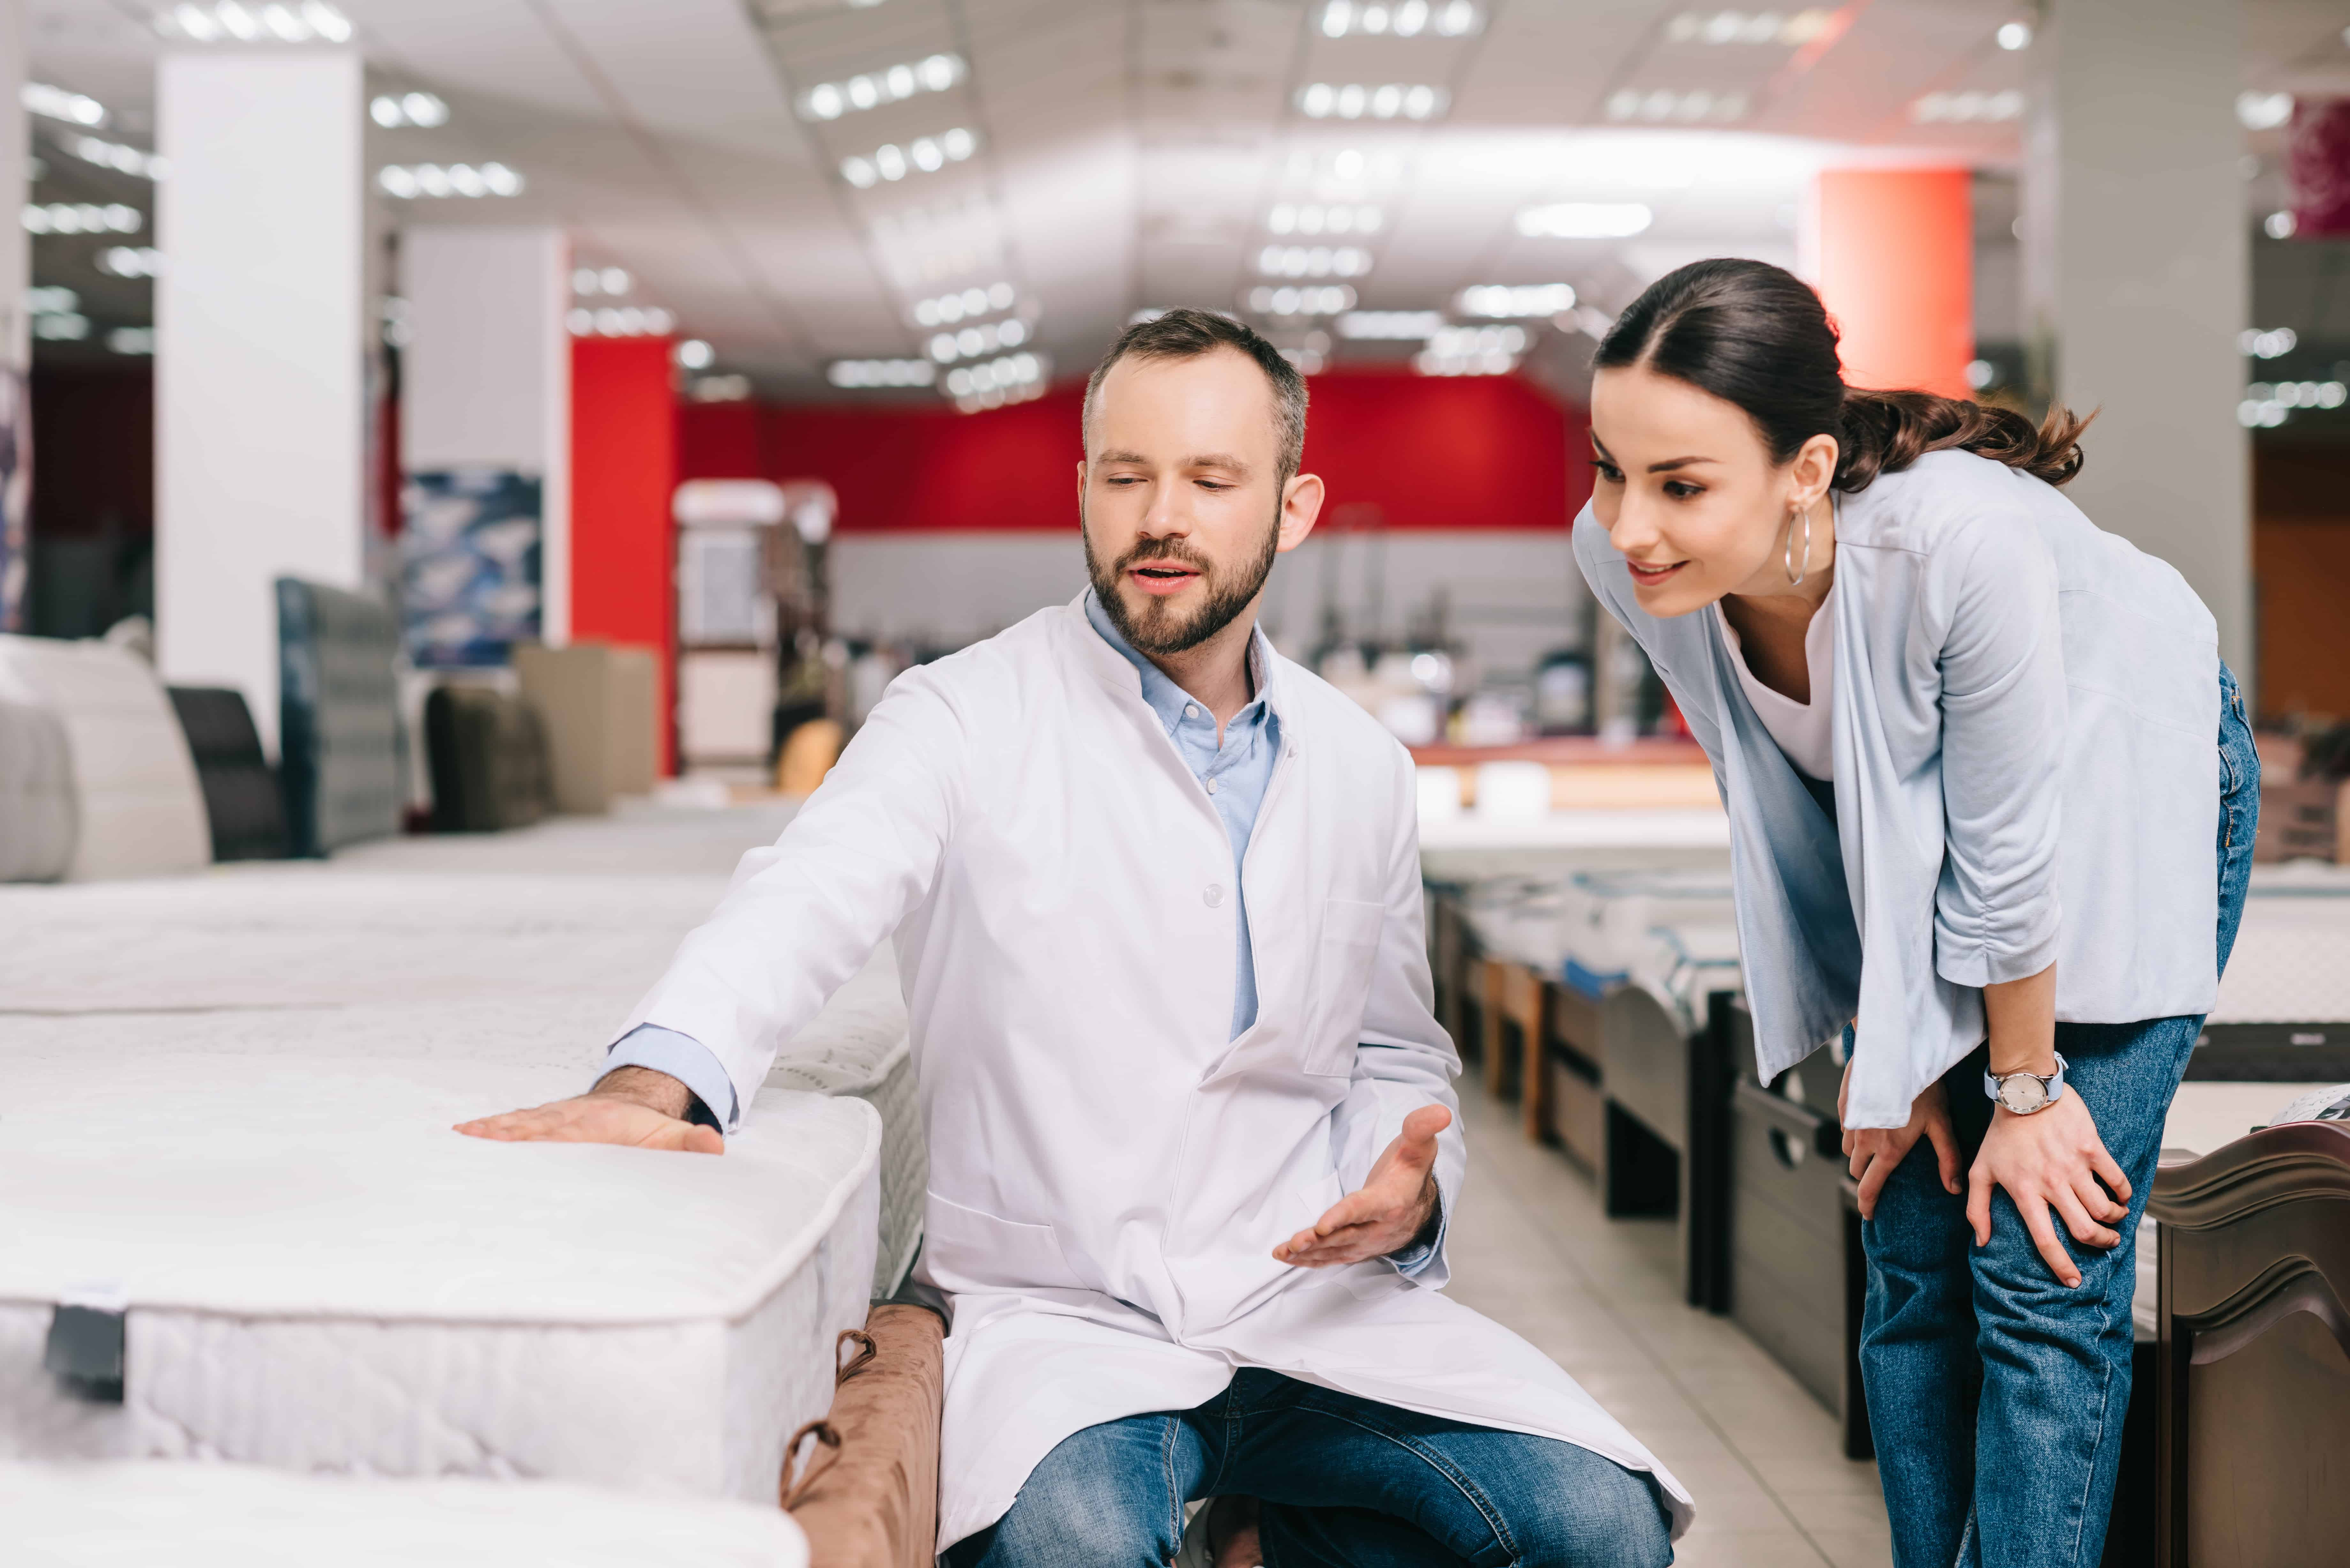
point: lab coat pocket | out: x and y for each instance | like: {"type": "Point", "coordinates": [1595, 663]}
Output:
{"type": "Point", "coordinates": [1342, 983]}
{"type": "Point", "coordinates": [966, 1250]}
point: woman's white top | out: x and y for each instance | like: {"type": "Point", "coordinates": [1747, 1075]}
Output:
{"type": "Point", "coordinates": [2025, 726]}
{"type": "Point", "coordinates": [1802, 729]}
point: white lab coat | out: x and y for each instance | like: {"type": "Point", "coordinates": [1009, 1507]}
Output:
{"type": "Point", "coordinates": [1109, 1171]}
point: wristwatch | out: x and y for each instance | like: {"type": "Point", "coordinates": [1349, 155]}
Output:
{"type": "Point", "coordinates": [2025, 1093]}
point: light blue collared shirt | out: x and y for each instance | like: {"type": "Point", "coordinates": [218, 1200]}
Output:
{"type": "Point", "coordinates": [1235, 774]}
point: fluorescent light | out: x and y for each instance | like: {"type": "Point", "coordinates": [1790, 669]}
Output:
{"type": "Point", "coordinates": [2263, 111]}
{"type": "Point", "coordinates": [130, 261]}
{"type": "Point", "coordinates": [57, 103]}
{"type": "Point", "coordinates": [946, 309]}
{"type": "Point", "coordinates": [2280, 224]}
{"type": "Point", "coordinates": [831, 100]}
{"type": "Point", "coordinates": [82, 218]}
{"type": "Point", "coordinates": [1498, 300]}
{"type": "Point", "coordinates": [54, 299]}
{"type": "Point", "coordinates": [1471, 351]}
{"type": "Point", "coordinates": [1407, 19]}
{"type": "Point", "coordinates": [946, 347]}
{"type": "Point", "coordinates": [407, 182]}
{"type": "Point", "coordinates": [694, 354]}
{"type": "Point", "coordinates": [1584, 220]}
{"type": "Point", "coordinates": [1364, 101]}
{"type": "Point", "coordinates": [392, 110]}
{"type": "Point", "coordinates": [1012, 378]}
{"type": "Point", "coordinates": [924, 155]}
{"type": "Point", "coordinates": [1325, 299]}
{"type": "Point", "coordinates": [1966, 108]}
{"type": "Point", "coordinates": [63, 328]}
{"type": "Point", "coordinates": [1313, 218]}
{"type": "Point", "coordinates": [115, 156]}
{"type": "Point", "coordinates": [2269, 345]}
{"type": "Point", "coordinates": [2012, 36]}
{"type": "Point", "coordinates": [1749, 27]}
{"type": "Point", "coordinates": [1314, 261]}
{"type": "Point", "coordinates": [880, 373]}
{"type": "Point", "coordinates": [720, 389]}
{"type": "Point", "coordinates": [591, 281]}
{"type": "Point", "coordinates": [131, 341]}
{"type": "Point", "coordinates": [1393, 325]}
{"type": "Point", "coordinates": [312, 21]}
{"type": "Point", "coordinates": [1658, 105]}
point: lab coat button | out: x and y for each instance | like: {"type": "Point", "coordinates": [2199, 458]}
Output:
{"type": "Point", "coordinates": [1214, 896]}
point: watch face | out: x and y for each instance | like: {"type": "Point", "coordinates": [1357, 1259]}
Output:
{"type": "Point", "coordinates": [2022, 1094]}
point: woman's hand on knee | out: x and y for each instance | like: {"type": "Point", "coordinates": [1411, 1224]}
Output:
{"type": "Point", "coordinates": [1877, 1152]}
{"type": "Point", "coordinates": [2051, 1160]}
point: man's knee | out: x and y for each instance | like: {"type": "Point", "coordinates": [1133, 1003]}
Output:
{"type": "Point", "coordinates": [1584, 1508]}
{"type": "Point", "coordinates": [1103, 1496]}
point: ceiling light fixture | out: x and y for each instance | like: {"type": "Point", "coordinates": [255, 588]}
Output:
{"type": "Point", "coordinates": [412, 180]}
{"type": "Point", "coordinates": [1013, 379]}
{"type": "Point", "coordinates": [57, 103]}
{"type": "Point", "coordinates": [1584, 220]}
{"type": "Point", "coordinates": [2269, 345]}
{"type": "Point", "coordinates": [51, 299]}
{"type": "Point", "coordinates": [82, 218]}
{"type": "Point", "coordinates": [946, 347]}
{"type": "Point", "coordinates": [881, 373]}
{"type": "Point", "coordinates": [694, 354]}
{"type": "Point", "coordinates": [1657, 105]}
{"type": "Point", "coordinates": [2280, 224]}
{"type": "Point", "coordinates": [831, 100]}
{"type": "Point", "coordinates": [1359, 101]}
{"type": "Point", "coordinates": [131, 341]}
{"type": "Point", "coordinates": [924, 155]}
{"type": "Point", "coordinates": [230, 22]}
{"type": "Point", "coordinates": [1499, 301]}
{"type": "Point", "coordinates": [611, 280]}
{"type": "Point", "coordinates": [1325, 299]}
{"type": "Point", "coordinates": [2013, 36]}
{"type": "Point", "coordinates": [115, 156]}
{"type": "Point", "coordinates": [1314, 261]}
{"type": "Point", "coordinates": [65, 328]}
{"type": "Point", "coordinates": [1409, 19]}
{"type": "Point", "coordinates": [393, 110]}
{"type": "Point", "coordinates": [720, 389]}
{"type": "Point", "coordinates": [1471, 351]}
{"type": "Point", "coordinates": [130, 261]}
{"type": "Point", "coordinates": [1966, 108]}
{"type": "Point", "coordinates": [1744, 27]}
{"type": "Point", "coordinates": [2263, 111]}
{"type": "Point", "coordinates": [949, 308]}
{"type": "Point", "coordinates": [1308, 218]}
{"type": "Point", "coordinates": [620, 321]}
{"type": "Point", "coordinates": [1391, 326]}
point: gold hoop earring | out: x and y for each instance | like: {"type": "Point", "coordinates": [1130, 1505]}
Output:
{"type": "Point", "coordinates": [1795, 575]}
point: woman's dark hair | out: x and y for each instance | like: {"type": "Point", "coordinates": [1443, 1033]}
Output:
{"type": "Point", "coordinates": [1756, 335]}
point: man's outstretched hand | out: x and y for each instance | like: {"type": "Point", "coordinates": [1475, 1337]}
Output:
{"type": "Point", "coordinates": [1387, 1212]}
{"type": "Point", "coordinates": [633, 1105]}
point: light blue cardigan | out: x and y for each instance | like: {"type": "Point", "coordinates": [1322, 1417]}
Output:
{"type": "Point", "coordinates": [2026, 720]}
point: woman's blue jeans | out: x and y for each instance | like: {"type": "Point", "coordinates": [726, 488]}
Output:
{"type": "Point", "coordinates": [1995, 1395]}
{"type": "Point", "coordinates": [1345, 1483]}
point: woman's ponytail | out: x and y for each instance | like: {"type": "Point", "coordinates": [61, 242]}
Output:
{"type": "Point", "coordinates": [1756, 335]}
{"type": "Point", "coordinates": [1885, 432]}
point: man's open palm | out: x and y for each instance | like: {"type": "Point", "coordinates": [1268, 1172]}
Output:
{"type": "Point", "coordinates": [1386, 1213]}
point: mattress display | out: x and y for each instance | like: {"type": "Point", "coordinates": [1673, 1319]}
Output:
{"type": "Point", "coordinates": [237, 1516]}
{"type": "Point", "coordinates": [339, 715]}
{"type": "Point", "coordinates": [858, 1046]}
{"type": "Point", "coordinates": [139, 809]}
{"type": "Point", "coordinates": [38, 814]}
{"type": "Point", "coordinates": [301, 1265]}
{"type": "Point", "coordinates": [1615, 924]}
{"type": "Point", "coordinates": [241, 803]}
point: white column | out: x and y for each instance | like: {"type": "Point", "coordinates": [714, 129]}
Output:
{"type": "Point", "coordinates": [486, 377]}
{"type": "Point", "coordinates": [259, 346]}
{"type": "Point", "coordinates": [16, 360]}
{"type": "Point", "coordinates": [2135, 274]}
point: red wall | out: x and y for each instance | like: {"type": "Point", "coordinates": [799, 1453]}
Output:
{"type": "Point", "coordinates": [624, 470]}
{"type": "Point", "coordinates": [1431, 452]}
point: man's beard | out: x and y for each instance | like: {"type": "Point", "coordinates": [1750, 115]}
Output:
{"type": "Point", "coordinates": [1159, 629]}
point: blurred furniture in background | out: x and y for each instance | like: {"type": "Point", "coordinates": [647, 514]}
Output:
{"type": "Point", "coordinates": [809, 750]}
{"type": "Point", "coordinates": [489, 761]}
{"type": "Point", "coordinates": [599, 703]}
{"type": "Point", "coordinates": [2254, 1351]}
{"type": "Point", "coordinates": [242, 800]}
{"type": "Point", "coordinates": [36, 795]}
{"type": "Point", "coordinates": [139, 810]}
{"type": "Point", "coordinates": [339, 716]}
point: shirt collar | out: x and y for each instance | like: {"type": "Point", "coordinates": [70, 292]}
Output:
{"type": "Point", "coordinates": [1166, 699]}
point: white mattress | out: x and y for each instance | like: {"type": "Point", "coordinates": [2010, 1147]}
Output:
{"type": "Point", "coordinates": [319, 1275]}
{"type": "Point", "coordinates": [236, 1516]}
{"type": "Point", "coordinates": [2291, 959]}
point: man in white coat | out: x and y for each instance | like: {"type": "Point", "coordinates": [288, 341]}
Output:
{"type": "Point", "coordinates": [1155, 892]}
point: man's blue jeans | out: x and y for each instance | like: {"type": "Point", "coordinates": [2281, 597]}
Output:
{"type": "Point", "coordinates": [1995, 1395]}
{"type": "Point", "coordinates": [1345, 1482]}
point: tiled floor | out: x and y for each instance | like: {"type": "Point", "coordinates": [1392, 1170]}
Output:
{"type": "Point", "coordinates": [1530, 1248]}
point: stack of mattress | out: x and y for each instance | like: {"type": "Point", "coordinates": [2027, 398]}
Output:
{"type": "Point", "coordinates": [291, 1260]}
{"type": "Point", "coordinates": [233, 1516]}
{"type": "Point", "coordinates": [1661, 926]}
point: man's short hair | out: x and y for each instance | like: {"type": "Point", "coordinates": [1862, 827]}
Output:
{"type": "Point", "coordinates": [1186, 334]}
